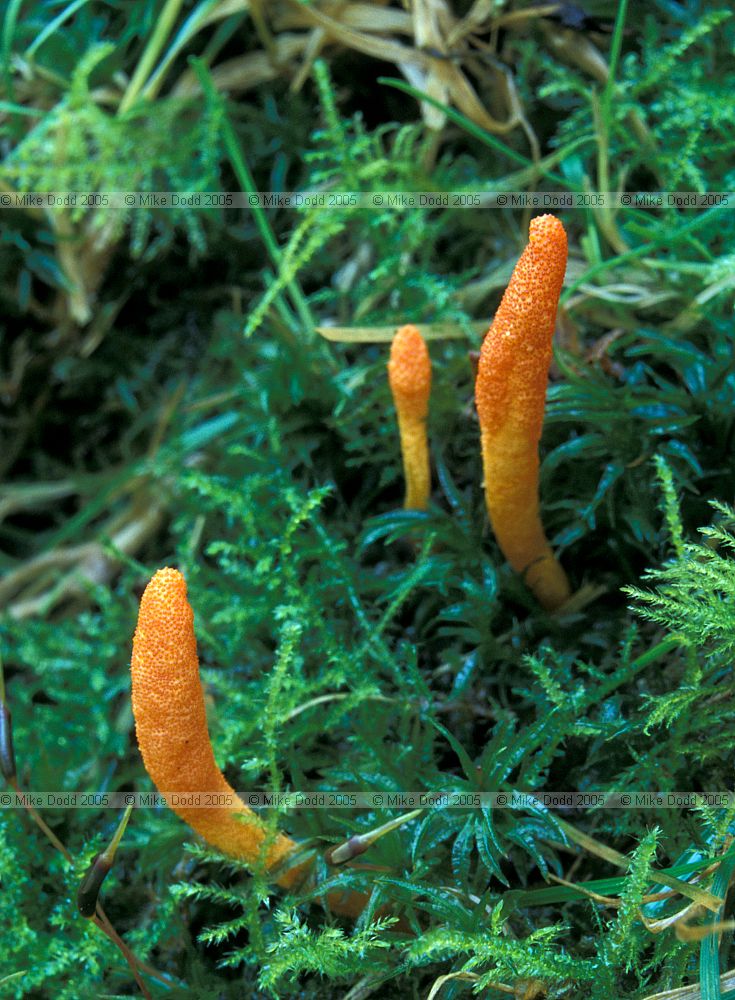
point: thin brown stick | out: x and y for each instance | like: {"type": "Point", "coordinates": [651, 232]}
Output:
{"type": "Point", "coordinates": [102, 921]}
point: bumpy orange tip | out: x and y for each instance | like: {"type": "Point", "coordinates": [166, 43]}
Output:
{"type": "Point", "coordinates": [409, 372]}
{"type": "Point", "coordinates": [516, 351]}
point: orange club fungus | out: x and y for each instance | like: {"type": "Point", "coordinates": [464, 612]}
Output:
{"type": "Point", "coordinates": [510, 393]}
{"type": "Point", "coordinates": [172, 732]}
{"type": "Point", "coordinates": [409, 375]}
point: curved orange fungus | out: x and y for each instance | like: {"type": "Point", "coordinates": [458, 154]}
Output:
{"type": "Point", "coordinates": [171, 726]}
{"type": "Point", "coordinates": [510, 394]}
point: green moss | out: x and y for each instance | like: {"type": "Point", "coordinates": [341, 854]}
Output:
{"type": "Point", "coordinates": [345, 643]}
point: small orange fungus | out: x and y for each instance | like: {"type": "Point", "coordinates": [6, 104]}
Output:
{"type": "Point", "coordinates": [409, 375]}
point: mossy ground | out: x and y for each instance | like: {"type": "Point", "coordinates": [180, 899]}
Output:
{"type": "Point", "coordinates": [166, 399]}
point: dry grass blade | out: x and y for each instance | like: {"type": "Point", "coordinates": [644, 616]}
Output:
{"type": "Point", "coordinates": [594, 896]}
{"type": "Point", "coordinates": [359, 16]}
{"type": "Point", "coordinates": [380, 48]}
{"type": "Point", "coordinates": [246, 72]}
{"type": "Point", "coordinates": [693, 992]}
{"type": "Point", "coordinates": [36, 584]}
{"type": "Point", "coordinates": [687, 932]}
{"type": "Point", "coordinates": [430, 64]}
{"type": "Point", "coordinates": [577, 50]}
{"type": "Point", "coordinates": [23, 496]}
{"type": "Point", "coordinates": [657, 926]}
{"type": "Point", "coordinates": [428, 16]}
{"type": "Point", "coordinates": [384, 334]}
{"type": "Point", "coordinates": [465, 977]}
{"type": "Point", "coordinates": [700, 896]}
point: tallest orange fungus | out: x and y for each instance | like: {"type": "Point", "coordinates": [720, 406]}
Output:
{"type": "Point", "coordinates": [510, 393]}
